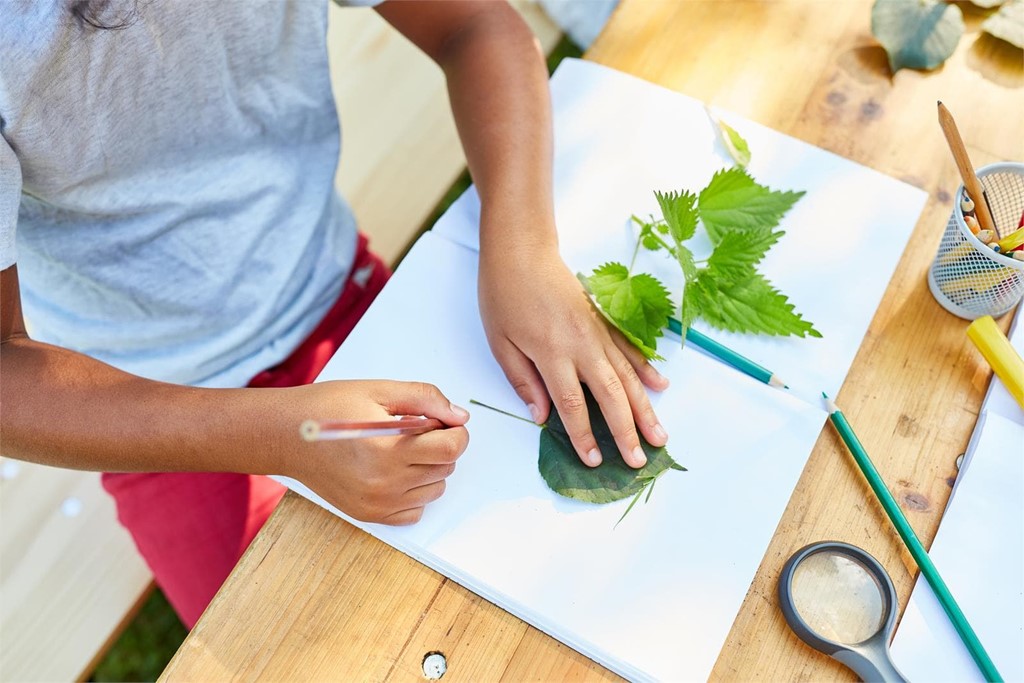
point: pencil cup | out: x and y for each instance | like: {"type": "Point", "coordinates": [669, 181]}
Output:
{"type": "Point", "coordinates": [968, 278]}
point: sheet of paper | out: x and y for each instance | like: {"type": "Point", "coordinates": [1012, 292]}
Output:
{"type": "Point", "coordinates": [619, 138]}
{"type": "Point", "coordinates": [653, 598]}
{"type": "Point", "coordinates": [979, 551]}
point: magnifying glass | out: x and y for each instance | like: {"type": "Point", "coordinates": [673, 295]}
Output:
{"type": "Point", "coordinates": [839, 600]}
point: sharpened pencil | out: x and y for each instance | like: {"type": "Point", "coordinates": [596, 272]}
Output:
{"type": "Point", "coordinates": [332, 430]}
{"type": "Point", "coordinates": [963, 165]}
{"type": "Point", "coordinates": [727, 355]}
{"type": "Point", "coordinates": [913, 543]}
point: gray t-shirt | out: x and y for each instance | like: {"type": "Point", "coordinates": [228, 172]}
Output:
{"type": "Point", "coordinates": [167, 189]}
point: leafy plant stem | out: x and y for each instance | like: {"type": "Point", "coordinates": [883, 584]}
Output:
{"type": "Point", "coordinates": [503, 412]}
{"type": "Point", "coordinates": [646, 229]}
{"type": "Point", "coordinates": [648, 487]}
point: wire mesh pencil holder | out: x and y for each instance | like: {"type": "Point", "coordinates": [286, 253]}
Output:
{"type": "Point", "coordinates": [968, 278]}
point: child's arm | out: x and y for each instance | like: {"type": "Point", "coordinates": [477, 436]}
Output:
{"type": "Point", "coordinates": [62, 408]}
{"type": "Point", "coordinates": [541, 327]}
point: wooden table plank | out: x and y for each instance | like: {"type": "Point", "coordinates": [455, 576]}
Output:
{"type": "Point", "coordinates": [809, 69]}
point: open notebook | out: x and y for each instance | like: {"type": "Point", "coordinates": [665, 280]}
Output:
{"type": "Point", "coordinates": [655, 597]}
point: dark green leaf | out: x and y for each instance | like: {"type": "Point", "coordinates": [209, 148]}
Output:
{"type": "Point", "coordinates": [613, 479]}
{"type": "Point", "coordinates": [916, 34]}
{"type": "Point", "coordinates": [732, 201]}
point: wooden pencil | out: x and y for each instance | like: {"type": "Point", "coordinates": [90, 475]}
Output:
{"type": "Point", "coordinates": [331, 430]}
{"type": "Point", "coordinates": [963, 164]}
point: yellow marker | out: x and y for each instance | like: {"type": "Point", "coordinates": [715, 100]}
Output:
{"type": "Point", "coordinates": [1003, 358]}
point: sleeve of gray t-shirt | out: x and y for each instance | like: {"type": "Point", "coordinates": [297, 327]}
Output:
{"type": "Point", "coordinates": [10, 196]}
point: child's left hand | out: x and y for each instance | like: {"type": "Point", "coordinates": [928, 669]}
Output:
{"type": "Point", "coordinates": [548, 338]}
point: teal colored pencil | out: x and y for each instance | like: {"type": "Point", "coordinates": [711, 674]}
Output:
{"type": "Point", "coordinates": [910, 539]}
{"type": "Point", "coordinates": [727, 355]}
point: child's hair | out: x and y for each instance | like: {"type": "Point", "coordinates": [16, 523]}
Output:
{"type": "Point", "coordinates": [100, 14]}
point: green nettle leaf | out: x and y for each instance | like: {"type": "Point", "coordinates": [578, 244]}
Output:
{"type": "Point", "coordinates": [651, 242]}
{"type": "Point", "coordinates": [737, 147]}
{"type": "Point", "coordinates": [613, 479]}
{"type": "Point", "coordinates": [680, 213]}
{"type": "Point", "coordinates": [733, 201]}
{"type": "Point", "coordinates": [688, 311]}
{"type": "Point", "coordinates": [638, 305]}
{"type": "Point", "coordinates": [685, 258]}
{"type": "Point", "coordinates": [1008, 23]}
{"type": "Point", "coordinates": [738, 252]}
{"type": "Point", "coordinates": [748, 305]}
{"type": "Point", "coordinates": [916, 34]}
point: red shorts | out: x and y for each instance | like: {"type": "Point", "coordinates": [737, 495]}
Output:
{"type": "Point", "coordinates": [192, 527]}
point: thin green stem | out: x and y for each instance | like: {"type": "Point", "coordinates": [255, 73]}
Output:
{"type": "Point", "coordinates": [646, 229]}
{"type": "Point", "coordinates": [503, 412]}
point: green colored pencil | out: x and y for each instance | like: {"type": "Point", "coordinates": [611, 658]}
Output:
{"type": "Point", "coordinates": [906, 532]}
{"type": "Point", "coordinates": [727, 355]}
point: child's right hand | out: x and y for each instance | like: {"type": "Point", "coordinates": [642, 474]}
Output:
{"type": "Point", "coordinates": [382, 479]}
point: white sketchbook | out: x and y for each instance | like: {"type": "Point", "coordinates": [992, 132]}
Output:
{"type": "Point", "coordinates": [655, 597]}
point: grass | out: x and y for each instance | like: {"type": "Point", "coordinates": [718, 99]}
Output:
{"type": "Point", "coordinates": [151, 639]}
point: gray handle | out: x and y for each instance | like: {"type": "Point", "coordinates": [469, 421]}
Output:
{"type": "Point", "coordinates": [871, 663]}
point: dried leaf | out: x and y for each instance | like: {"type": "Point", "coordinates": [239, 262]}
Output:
{"type": "Point", "coordinates": [916, 34]}
{"type": "Point", "coordinates": [1008, 23]}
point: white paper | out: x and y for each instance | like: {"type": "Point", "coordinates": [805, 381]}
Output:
{"type": "Point", "coordinates": [656, 597]}
{"type": "Point", "coordinates": [653, 598]}
{"type": "Point", "coordinates": [619, 138]}
{"type": "Point", "coordinates": [979, 552]}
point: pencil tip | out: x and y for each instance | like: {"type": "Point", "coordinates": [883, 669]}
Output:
{"type": "Point", "coordinates": [824, 395]}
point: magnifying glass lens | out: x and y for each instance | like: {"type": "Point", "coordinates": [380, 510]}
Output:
{"type": "Point", "coordinates": [838, 598]}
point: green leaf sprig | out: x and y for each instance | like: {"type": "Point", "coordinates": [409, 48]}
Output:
{"type": "Point", "coordinates": [725, 290]}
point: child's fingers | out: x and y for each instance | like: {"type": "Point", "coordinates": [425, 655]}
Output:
{"type": "Point", "coordinates": [419, 398]}
{"type": "Point", "coordinates": [567, 395]}
{"type": "Point", "coordinates": [647, 373]}
{"type": "Point", "coordinates": [643, 413]}
{"type": "Point", "coordinates": [523, 376]}
{"type": "Point", "coordinates": [439, 447]}
{"type": "Point", "coordinates": [609, 390]}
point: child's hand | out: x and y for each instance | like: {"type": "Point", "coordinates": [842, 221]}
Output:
{"type": "Point", "coordinates": [548, 338]}
{"type": "Point", "coordinates": [384, 479]}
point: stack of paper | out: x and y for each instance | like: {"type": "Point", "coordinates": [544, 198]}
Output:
{"type": "Point", "coordinates": [979, 551]}
{"type": "Point", "coordinates": [655, 597]}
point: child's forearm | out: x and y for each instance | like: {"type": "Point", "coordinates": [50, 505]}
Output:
{"type": "Point", "coordinates": [62, 408]}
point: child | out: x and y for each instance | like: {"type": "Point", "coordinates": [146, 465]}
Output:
{"type": "Point", "coordinates": [167, 169]}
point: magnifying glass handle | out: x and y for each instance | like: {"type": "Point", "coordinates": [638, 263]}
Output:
{"type": "Point", "coordinates": [877, 668]}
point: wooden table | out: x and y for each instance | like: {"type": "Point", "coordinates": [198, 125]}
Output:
{"type": "Point", "coordinates": [314, 598]}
